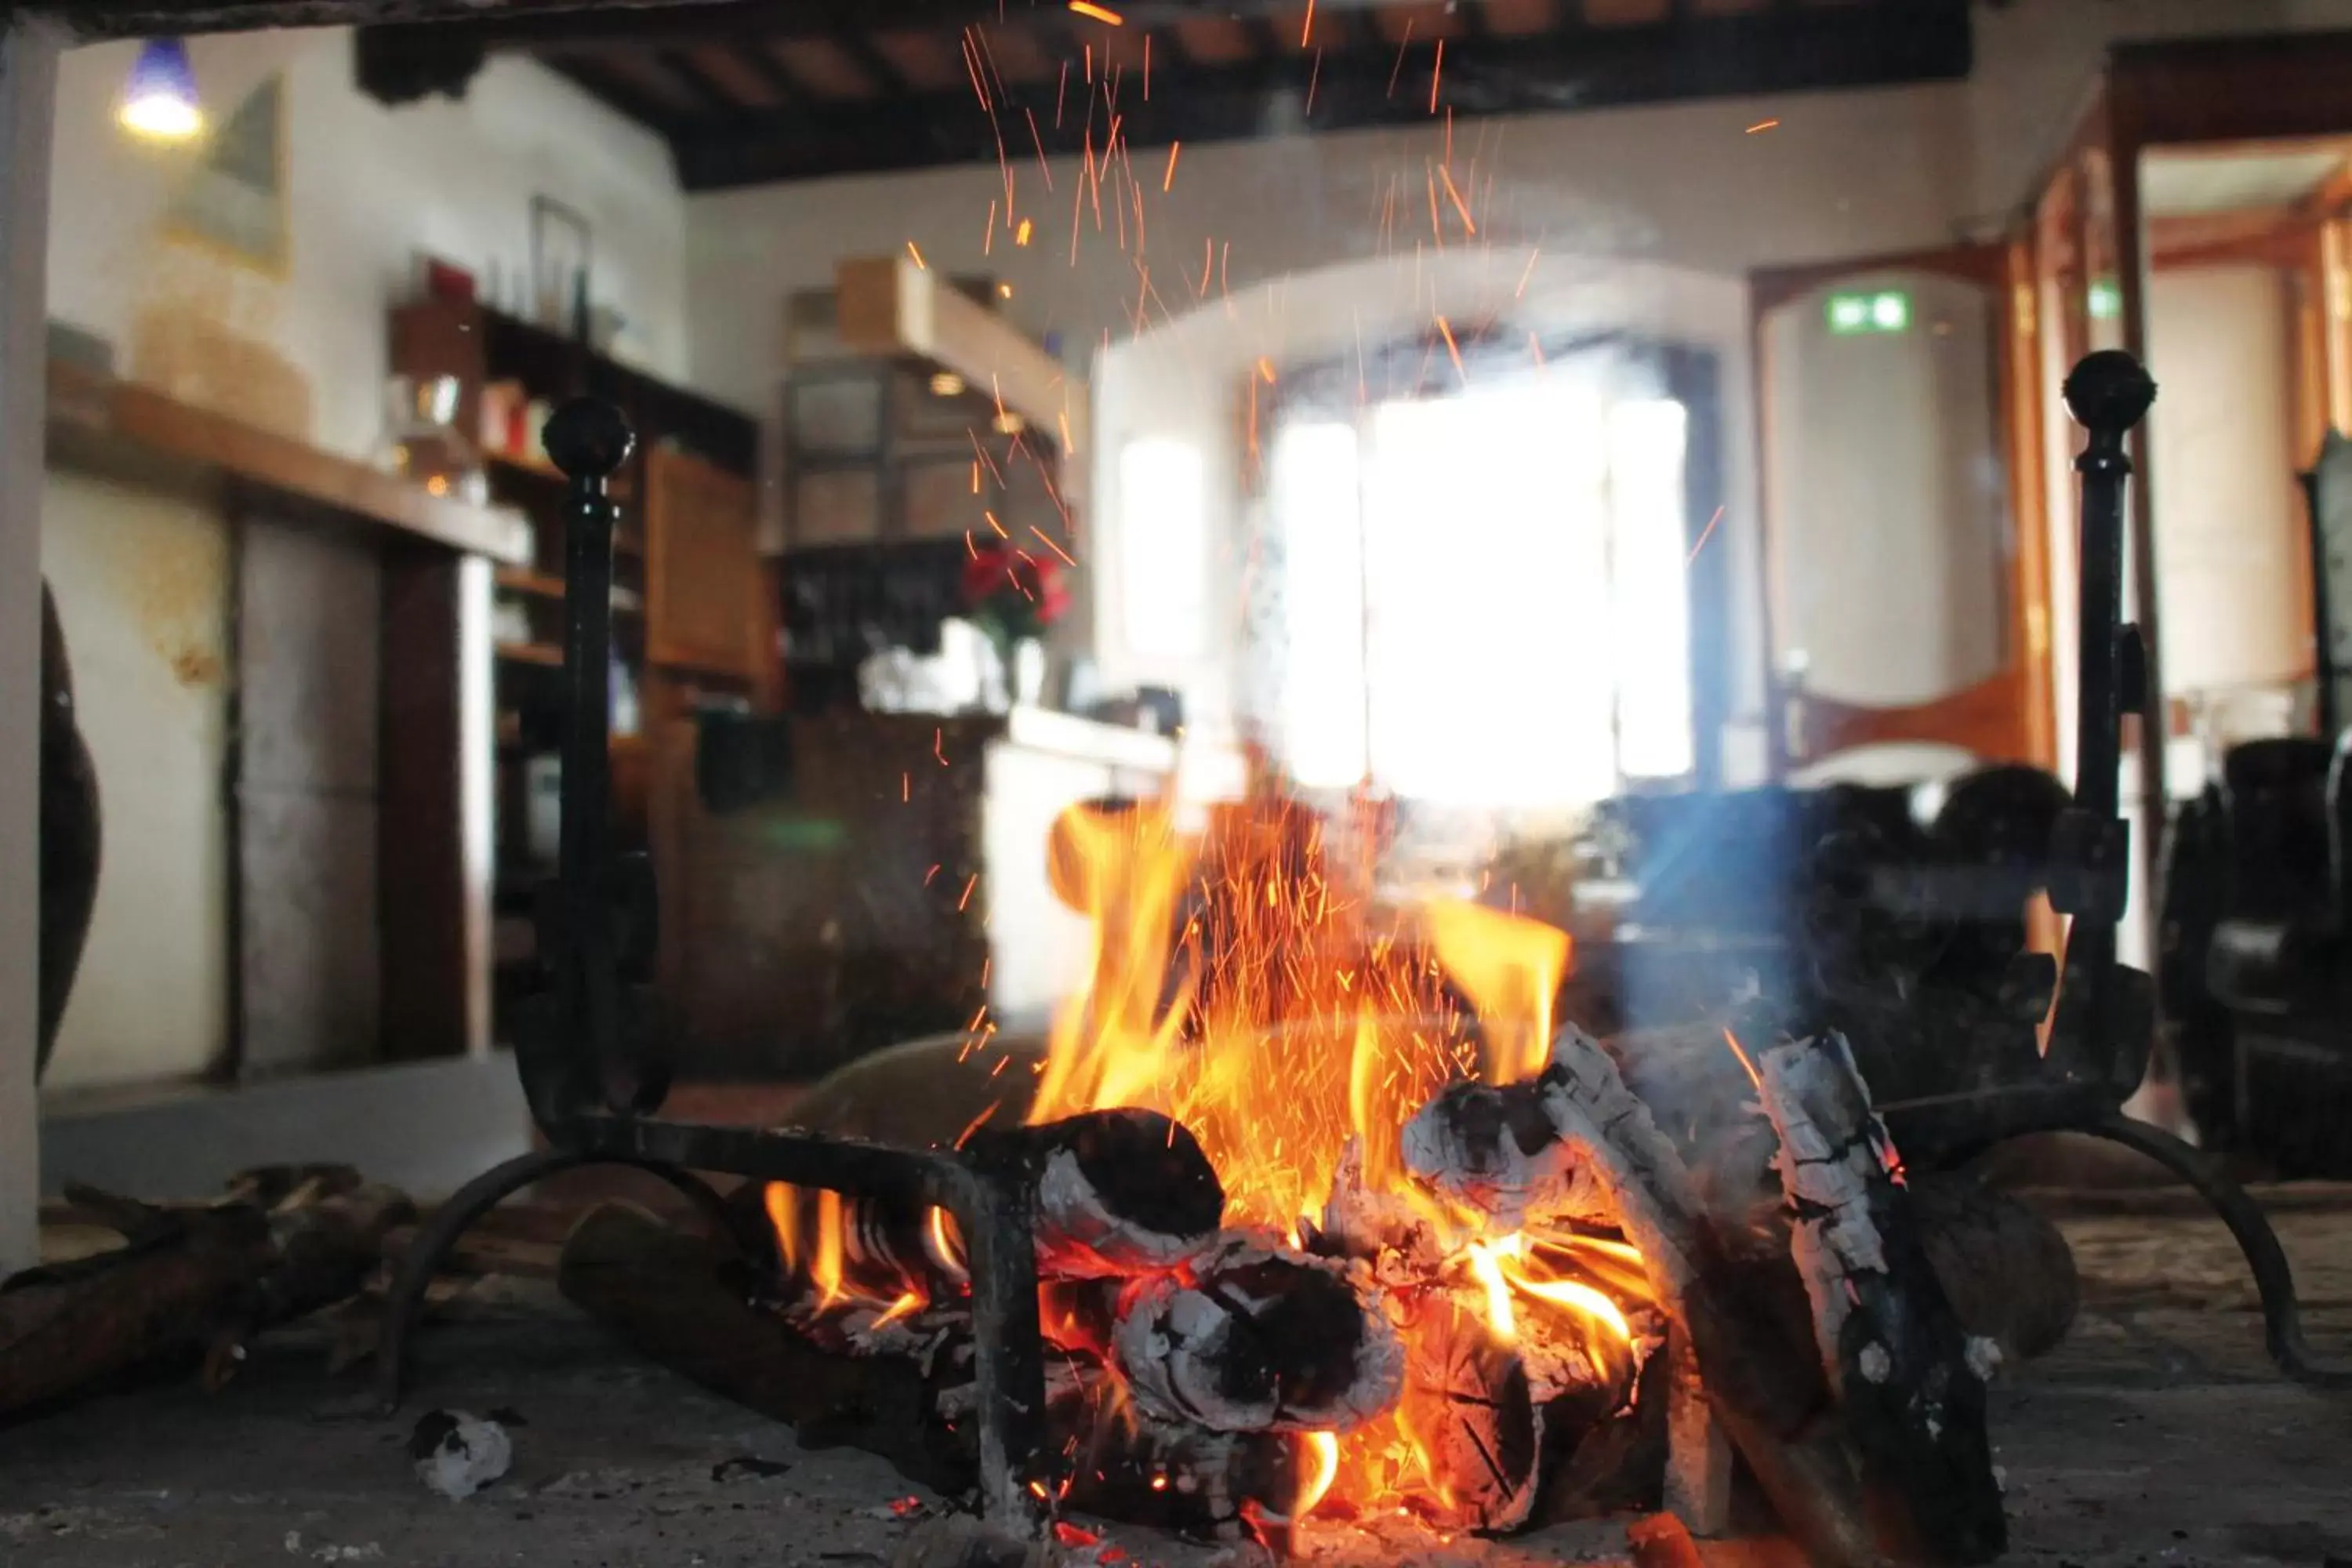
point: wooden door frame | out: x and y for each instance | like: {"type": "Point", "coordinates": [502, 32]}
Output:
{"type": "Point", "coordinates": [2008, 714]}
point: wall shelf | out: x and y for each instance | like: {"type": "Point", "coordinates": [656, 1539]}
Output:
{"type": "Point", "coordinates": [121, 429]}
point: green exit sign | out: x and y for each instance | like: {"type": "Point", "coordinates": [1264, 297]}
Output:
{"type": "Point", "coordinates": [1880, 310]}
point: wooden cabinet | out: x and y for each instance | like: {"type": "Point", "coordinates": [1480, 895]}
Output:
{"type": "Point", "coordinates": [702, 575]}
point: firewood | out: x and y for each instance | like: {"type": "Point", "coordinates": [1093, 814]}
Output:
{"type": "Point", "coordinates": [1910, 1380]}
{"type": "Point", "coordinates": [1173, 1476]}
{"type": "Point", "coordinates": [1468, 1400]}
{"type": "Point", "coordinates": [690, 1306]}
{"type": "Point", "coordinates": [1250, 1339]}
{"type": "Point", "coordinates": [1118, 1191]}
{"type": "Point", "coordinates": [677, 1298]}
{"type": "Point", "coordinates": [1754, 1377]}
{"type": "Point", "coordinates": [2005, 1267]}
{"type": "Point", "coordinates": [1496, 1151]}
{"type": "Point", "coordinates": [191, 1281]}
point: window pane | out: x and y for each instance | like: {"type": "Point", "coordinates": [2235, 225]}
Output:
{"type": "Point", "coordinates": [1163, 548]}
{"type": "Point", "coordinates": [1317, 511]}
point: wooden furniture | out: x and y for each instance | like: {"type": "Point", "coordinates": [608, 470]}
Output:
{"type": "Point", "coordinates": [894, 884]}
{"type": "Point", "coordinates": [119, 427]}
{"type": "Point", "coordinates": [694, 608]}
{"type": "Point", "coordinates": [919, 426]}
{"type": "Point", "coordinates": [359, 875]}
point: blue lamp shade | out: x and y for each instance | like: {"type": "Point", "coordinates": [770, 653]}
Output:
{"type": "Point", "coordinates": [159, 104]}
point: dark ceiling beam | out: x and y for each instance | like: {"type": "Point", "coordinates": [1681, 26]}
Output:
{"type": "Point", "coordinates": [96, 19]}
{"type": "Point", "coordinates": [623, 97]}
{"type": "Point", "coordinates": [862, 52]}
{"type": "Point", "coordinates": [716, 21]}
{"type": "Point", "coordinates": [1776, 50]}
{"type": "Point", "coordinates": [695, 82]}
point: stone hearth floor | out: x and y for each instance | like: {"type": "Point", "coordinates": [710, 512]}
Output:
{"type": "Point", "coordinates": [2158, 1435]}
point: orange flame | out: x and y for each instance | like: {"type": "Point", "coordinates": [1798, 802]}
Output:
{"type": "Point", "coordinates": [1512, 968]}
{"type": "Point", "coordinates": [1323, 1448]}
{"type": "Point", "coordinates": [1241, 979]}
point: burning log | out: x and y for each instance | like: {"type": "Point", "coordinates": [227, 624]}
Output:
{"type": "Point", "coordinates": [690, 1306]}
{"type": "Point", "coordinates": [1122, 1465]}
{"type": "Point", "coordinates": [1910, 1380]}
{"type": "Point", "coordinates": [1249, 1339]}
{"type": "Point", "coordinates": [1497, 1151]}
{"type": "Point", "coordinates": [1118, 1191]}
{"type": "Point", "coordinates": [1468, 1399]}
{"type": "Point", "coordinates": [190, 1280]}
{"type": "Point", "coordinates": [1757, 1382]}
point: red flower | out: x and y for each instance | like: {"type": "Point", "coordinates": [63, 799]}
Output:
{"type": "Point", "coordinates": [1021, 593]}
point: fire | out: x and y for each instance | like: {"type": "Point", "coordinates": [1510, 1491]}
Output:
{"type": "Point", "coordinates": [1512, 969]}
{"type": "Point", "coordinates": [1243, 980]}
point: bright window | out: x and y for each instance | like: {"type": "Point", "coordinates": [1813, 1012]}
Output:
{"type": "Point", "coordinates": [1163, 548]}
{"type": "Point", "coordinates": [1482, 595]}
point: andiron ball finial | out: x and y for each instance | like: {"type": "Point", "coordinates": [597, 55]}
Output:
{"type": "Point", "coordinates": [588, 438]}
{"type": "Point", "coordinates": [2108, 392]}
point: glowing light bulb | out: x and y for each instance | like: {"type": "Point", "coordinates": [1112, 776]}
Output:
{"type": "Point", "coordinates": [159, 104]}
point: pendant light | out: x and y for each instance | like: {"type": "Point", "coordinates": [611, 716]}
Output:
{"type": "Point", "coordinates": [159, 104]}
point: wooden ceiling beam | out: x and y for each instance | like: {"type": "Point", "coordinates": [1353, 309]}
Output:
{"type": "Point", "coordinates": [97, 19]}
{"type": "Point", "coordinates": [1573, 67]}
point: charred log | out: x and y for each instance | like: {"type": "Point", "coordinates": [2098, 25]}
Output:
{"type": "Point", "coordinates": [1910, 1380]}
{"type": "Point", "coordinates": [191, 1281]}
{"type": "Point", "coordinates": [677, 1298]}
{"type": "Point", "coordinates": [1769, 1409]}
{"type": "Point", "coordinates": [1253, 1340]}
{"type": "Point", "coordinates": [1118, 1191]}
{"type": "Point", "coordinates": [1496, 1150]}
{"type": "Point", "coordinates": [2006, 1269]}
{"type": "Point", "coordinates": [690, 1306]}
{"type": "Point", "coordinates": [1467, 1398]}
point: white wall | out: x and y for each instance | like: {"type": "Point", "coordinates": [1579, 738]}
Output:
{"type": "Point", "coordinates": [2227, 519]}
{"type": "Point", "coordinates": [141, 585]}
{"type": "Point", "coordinates": [140, 577]}
{"type": "Point", "coordinates": [369, 188]}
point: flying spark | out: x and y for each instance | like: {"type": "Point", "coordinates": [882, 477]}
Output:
{"type": "Point", "coordinates": [1703, 535]}
{"type": "Point", "coordinates": [914, 251]}
{"type": "Point", "coordinates": [1085, 9]}
{"type": "Point", "coordinates": [1445, 331]}
{"type": "Point", "coordinates": [1169, 178]}
{"type": "Point", "coordinates": [1762, 125]}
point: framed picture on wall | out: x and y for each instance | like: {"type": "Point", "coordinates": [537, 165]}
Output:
{"type": "Point", "coordinates": [558, 262]}
{"type": "Point", "coordinates": [234, 201]}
